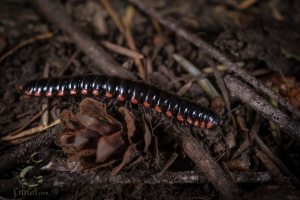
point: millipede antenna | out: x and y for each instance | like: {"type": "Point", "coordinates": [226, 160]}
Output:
{"type": "Point", "coordinates": [223, 137]}
{"type": "Point", "coordinates": [238, 107]}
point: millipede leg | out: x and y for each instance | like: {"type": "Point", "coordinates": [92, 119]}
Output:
{"type": "Point", "coordinates": [169, 123]}
{"type": "Point", "coordinates": [150, 112]}
{"type": "Point", "coordinates": [83, 97]}
{"type": "Point", "coordinates": [111, 104]}
{"type": "Point", "coordinates": [73, 104]}
{"type": "Point", "coordinates": [198, 131]}
{"type": "Point", "coordinates": [142, 109]}
{"type": "Point", "coordinates": [158, 120]}
{"type": "Point", "coordinates": [59, 104]}
{"type": "Point", "coordinates": [98, 98]}
{"type": "Point", "coordinates": [130, 105]}
{"type": "Point", "coordinates": [104, 100]}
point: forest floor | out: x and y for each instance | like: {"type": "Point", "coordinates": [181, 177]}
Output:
{"type": "Point", "coordinates": [217, 53]}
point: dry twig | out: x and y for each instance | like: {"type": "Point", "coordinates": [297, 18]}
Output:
{"type": "Point", "coordinates": [221, 84]}
{"type": "Point", "coordinates": [70, 60]}
{"type": "Point", "coordinates": [127, 21]}
{"type": "Point", "coordinates": [26, 42]}
{"type": "Point", "coordinates": [113, 15]}
{"type": "Point", "coordinates": [122, 50]}
{"type": "Point", "coordinates": [30, 131]}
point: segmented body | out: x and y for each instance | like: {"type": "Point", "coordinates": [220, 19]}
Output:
{"type": "Point", "coordinates": [135, 92]}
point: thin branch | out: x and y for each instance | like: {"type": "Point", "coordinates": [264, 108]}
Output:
{"type": "Point", "coordinates": [26, 42]}
{"type": "Point", "coordinates": [122, 50]}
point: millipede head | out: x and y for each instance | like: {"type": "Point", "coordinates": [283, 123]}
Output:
{"type": "Point", "coordinates": [213, 120]}
{"type": "Point", "coordinates": [27, 89]}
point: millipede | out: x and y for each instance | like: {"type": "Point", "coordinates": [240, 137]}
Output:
{"type": "Point", "coordinates": [161, 100]}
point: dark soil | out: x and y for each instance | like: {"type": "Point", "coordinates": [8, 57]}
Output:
{"type": "Point", "coordinates": [258, 36]}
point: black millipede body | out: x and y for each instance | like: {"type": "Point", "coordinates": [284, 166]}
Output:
{"type": "Point", "coordinates": [135, 92]}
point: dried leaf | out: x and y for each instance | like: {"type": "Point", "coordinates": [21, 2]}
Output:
{"type": "Point", "coordinates": [69, 120]}
{"type": "Point", "coordinates": [85, 137]}
{"type": "Point", "coordinates": [147, 136]}
{"type": "Point", "coordinates": [130, 122]}
{"type": "Point", "coordinates": [96, 109]}
{"type": "Point", "coordinates": [108, 145]}
{"type": "Point", "coordinates": [128, 156]}
{"type": "Point", "coordinates": [67, 137]}
{"type": "Point", "coordinates": [100, 126]}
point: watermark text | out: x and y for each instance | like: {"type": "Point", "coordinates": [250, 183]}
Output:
{"type": "Point", "coordinates": [29, 191]}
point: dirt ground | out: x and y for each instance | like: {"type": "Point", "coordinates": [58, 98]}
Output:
{"type": "Point", "coordinates": [63, 156]}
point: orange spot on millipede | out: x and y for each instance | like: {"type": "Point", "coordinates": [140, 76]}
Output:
{"type": "Point", "coordinates": [121, 98]}
{"type": "Point", "coordinates": [209, 125]}
{"type": "Point", "coordinates": [73, 92]}
{"type": "Point", "coordinates": [60, 93]}
{"type": "Point", "coordinates": [37, 94]}
{"type": "Point", "coordinates": [146, 104]}
{"type": "Point", "coordinates": [169, 113]}
{"type": "Point", "coordinates": [196, 123]}
{"type": "Point", "coordinates": [135, 101]}
{"type": "Point", "coordinates": [202, 124]}
{"type": "Point", "coordinates": [48, 94]}
{"type": "Point", "coordinates": [180, 118]}
{"type": "Point", "coordinates": [84, 91]}
{"type": "Point", "coordinates": [108, 95]}
{"type": "Point", "coordinates": [95, 92]}
{"type": "Point", "coordinates": [28, 92]}
{"type": "Point", "coordinates": [189, 120]}
{"type": "Point", "coordinates": [157, 108]}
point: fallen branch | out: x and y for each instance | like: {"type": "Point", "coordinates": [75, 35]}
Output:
{"type": "Point", "coordinates": [249, 96]}
{"type": "Point", "coordinates": [214, 173]}
{"type": "Point", "coordinates": [54, 13]}
{"type": "Point", "coordinates": [69, 180]}
{"type": "Point", "coordinates": [197, 41]}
